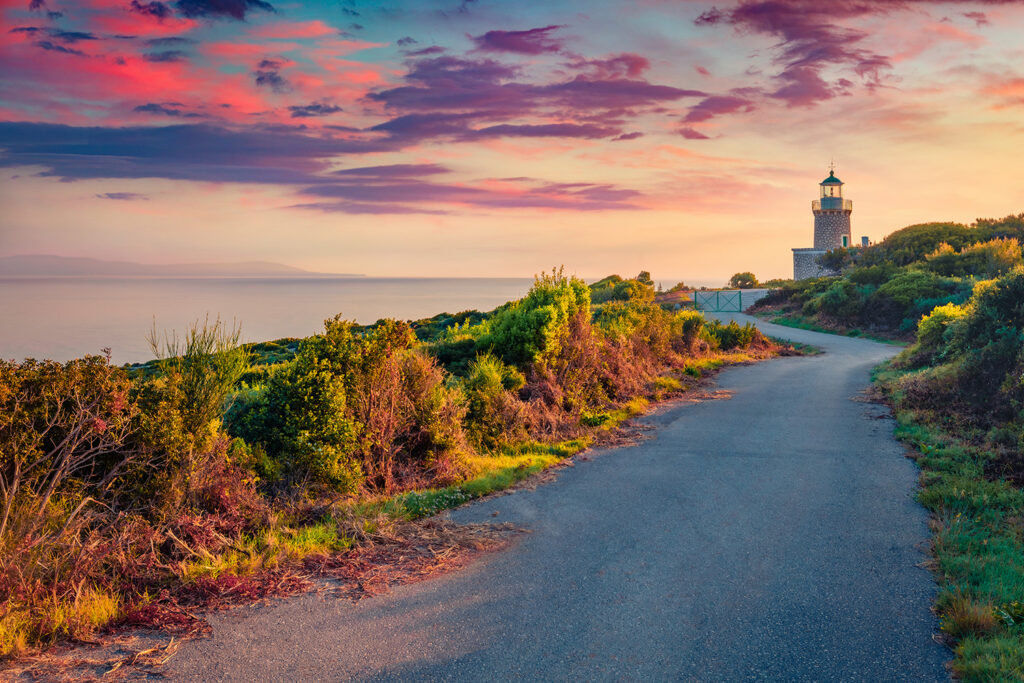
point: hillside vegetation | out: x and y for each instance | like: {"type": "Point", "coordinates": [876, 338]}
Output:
{"type": "Point", "coordinates": [885, 288]}
{"type": "Point", "coordinates": [134, 495]}
{"type": "Point", "coordinates": [957, 292]}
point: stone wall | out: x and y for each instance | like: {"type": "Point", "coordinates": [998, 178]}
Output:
{"type": "Point", "coordinates": [829, 228]}
{"type": "Point", "coordinates": [805, 263]}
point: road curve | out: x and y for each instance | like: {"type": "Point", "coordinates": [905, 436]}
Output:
{"type": "Point", "coordinates": [772, 536]}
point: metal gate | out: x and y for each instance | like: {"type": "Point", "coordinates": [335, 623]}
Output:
{"type": "Point", "coordinates": [719, 301]}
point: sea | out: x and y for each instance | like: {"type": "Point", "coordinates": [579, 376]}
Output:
{"type": "Point", "coordinates": [62, 318]}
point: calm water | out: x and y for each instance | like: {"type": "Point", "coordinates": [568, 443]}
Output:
{"type": "Point", "coordinates": [62, 318]}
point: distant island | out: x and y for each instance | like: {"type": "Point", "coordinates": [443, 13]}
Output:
{"type": "Point", "coordinates": [47, 265]}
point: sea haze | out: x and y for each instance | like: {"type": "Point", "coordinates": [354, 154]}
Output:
{"type": "Point", "coordinates": [62, 318]}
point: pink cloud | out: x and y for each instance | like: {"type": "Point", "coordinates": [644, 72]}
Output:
{"type": "Point", "coordinates": [294, 30]}
{"type": "Point", "coordinates": [1009, 90]}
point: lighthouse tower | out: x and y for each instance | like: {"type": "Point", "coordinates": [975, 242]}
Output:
{"type": "Point", "coordinates": [831, 228]}
{"type": "Point", "coordinates": [831, 215]}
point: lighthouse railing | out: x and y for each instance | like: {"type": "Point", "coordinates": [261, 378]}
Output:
{"type": "Point", "coordinates": [832, 204]}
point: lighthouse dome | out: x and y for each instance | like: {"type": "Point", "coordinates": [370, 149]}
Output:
{"type": "Point", "coordinates": [831, 180]}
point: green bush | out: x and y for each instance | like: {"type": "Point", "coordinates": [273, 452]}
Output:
{"type": "Point", "coordinates": [913, 242]}
{"type": "Point", "coordinates": [493, 418]}
{"type": "Point", "coordinates": [614, 288]}
{"type": "Point", "coordinates": [983, 260]}
{"type": "Point", "coordinates": [931, 331]}
{"type": "Point", "coordinates": [908, 286]}
{"type": "Point", "coordinates": [532, 329]}
{"type": "Point", "coordinates": [689, 325]}
{"type": "Point", "coordinates": [995, 311]}
{"type": "Point", "coordinates": [843, 299]}
{"type": "Point", "coordinates": [732, 336]}
{"type": "Point", "coordinates": [873, 275]}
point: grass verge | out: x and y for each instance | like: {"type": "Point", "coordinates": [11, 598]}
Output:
{"type": "Point", "coordinates": [977, 546]}
{"type": "Point", "coordinates": [803, 323]}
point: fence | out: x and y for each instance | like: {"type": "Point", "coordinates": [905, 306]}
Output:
{"type": "Point", "coordinates": [728, 301]}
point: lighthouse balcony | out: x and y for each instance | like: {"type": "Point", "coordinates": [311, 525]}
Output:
{"type": "Point", "coordinates": [832, 204]}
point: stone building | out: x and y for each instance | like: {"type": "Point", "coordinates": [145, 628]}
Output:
{"type": "Point", "coordinates": [831, 229]}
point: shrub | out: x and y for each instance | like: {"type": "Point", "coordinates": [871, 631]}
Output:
{"type": "Point", "coordinates": [873, 275]}
{"type": "Point", "coordinates": [733, 336]}
{"type": "Point", "coordinates": [931, 331]}
{"type": "Point", "coordinates": [532, 329]}
{"type": "Point", "coordinates": [495, 414]}
{"type": "Point", "coordinates": [689, 325]}
{"type": "Point", "coordinates": [356, 410]}
{"type": "Point", "coordinates": [64, 430]}
{"type": "Point", "coordinates": [984, 259]}
{"type": "Point", "coordinates": [744, 280]}
{"type": "Point", "coordinates": [995, 311]}
{"type": "Point", "coordinates": [843, 299]}
{"type": "Point", "coordinates": [908, 286]}
{"type": "Point", "coordinates": [301, 418]}
{"type": "Point", "coordinates": [836, 259]}
{"type": "Point", "coordinates": [915, 241]}
{"type": "Point", "coordinates": [614, 288]}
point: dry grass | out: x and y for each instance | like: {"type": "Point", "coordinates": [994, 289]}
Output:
{"type": "Point", "coordinates": [964, 617]}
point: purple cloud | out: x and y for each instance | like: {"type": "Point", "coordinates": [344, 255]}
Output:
{"type": "Point", "coordinates": [715, 105]}
{"type": "Point", "coordinates": [491, 95]}
{"type": "Point", "coordinates": [234, 9]}
{"type": "Point", "coordinates": [268, 75]}
{"type": "Point", "coordinates": [122, 196]}
{"type": "Point", "coordinates": [692, 134]}
{"type": "Point", "coordinates": [979, 18]}
{"type": "Point", "coordinates": [402, 195]}
{"type": "Point", "coordinates": [170, 41]}
{"type": "Point", "coordinates": [285, 156]}
{"type": "Point", "coordinates": [165, 109]}
{"type": "Point", "coordinates": [54, 47]}
{"type": "Point", "coordinates": [195, 152]}
{"type": "Point", "coordinates": [414, 127]}
{"type": "Point", "coordinates": [534, 41]}
{"type": "Point", "coordinates": [157, 10]}
{"type": "Point", "coordinates": [627, 64]}
{"type": "Point", "coordinates": [547, 130]}
{"type": "Point", "coordinates": [315, 109]}
{"type": "Point", "coordinates": [426, 51]}
{"type": "Point", "coordinates": [810, 40]}
{"type": "Point", "coordinates": [393, 171]}
{"type": "Point", "coordinates": [165, 56]}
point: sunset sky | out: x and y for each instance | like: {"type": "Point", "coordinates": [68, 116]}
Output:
{"type": "Point", "coordinates": [495, 137]}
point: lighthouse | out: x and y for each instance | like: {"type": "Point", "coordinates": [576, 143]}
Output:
{"type": "Point", "coordinates": [831, 228]}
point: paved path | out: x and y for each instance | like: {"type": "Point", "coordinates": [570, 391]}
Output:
{"type": "Point", "coordinates": [769, 537]}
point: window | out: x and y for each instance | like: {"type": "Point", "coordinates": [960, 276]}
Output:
{"type": "Point", "coordinates": [846, 241]}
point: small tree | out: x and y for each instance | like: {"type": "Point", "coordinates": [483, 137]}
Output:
{"type": "Point", "coordinates": [745, 280]}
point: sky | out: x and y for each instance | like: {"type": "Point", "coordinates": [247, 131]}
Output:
{"type": "Point", "coordinates": [498, 137]}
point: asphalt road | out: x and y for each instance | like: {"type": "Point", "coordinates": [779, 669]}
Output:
{"type": "Point", "coordinates": [771, 536]}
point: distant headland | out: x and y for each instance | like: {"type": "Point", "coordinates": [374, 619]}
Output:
{"type": "Point", "coordinates": [48, 265]}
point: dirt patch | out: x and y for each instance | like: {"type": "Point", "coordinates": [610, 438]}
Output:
{"type": "Point", "coordinates": [412, 552]}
